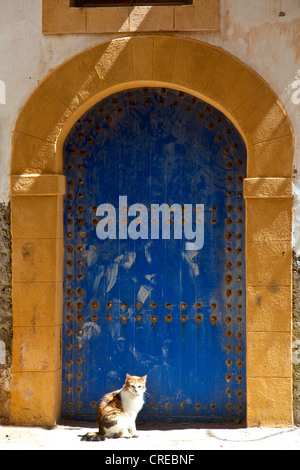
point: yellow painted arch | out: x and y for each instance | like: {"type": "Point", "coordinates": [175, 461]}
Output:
{"type": "Point", "coordinates": [38, 185]}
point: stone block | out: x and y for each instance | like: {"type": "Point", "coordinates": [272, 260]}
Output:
{"type": "Point", "coordinates": [112, 61]}
{"type": "Point", "coordinates": [37, 304]}
{"type": "Point", "coordinates": [43, 115]}
{"type": "Point", "coordinates": [269, 402]}
{"type": "Point", "coordinates": [107, 20]}
{"type": "Point", "coordinates": [58, 18]}
{"type": "Point", "coordinates": [262, 117]}
{"type": "Point", "coordinates": [36, 398]}
{"type": "Point", "coordinates": [269, 354]}
{"type": "Point", "coordinates": [163, 58]}
{"type": "Point", "coordinates": [273, 158]}
{"type": "Point", "coordinates": [269, 219]}
{"type": "Point", "coordinates": [149, 18]}
{"type": "Point", "coordinates": [37, 217]}
{"type": "Point", "coordinates": [31, 155]}
{"type": "Point", "coordinates": [269, 308]}
{"type": "Point", "coordinates": [269, 263]}
{"type": "Point", "coordinates": [75, 84]}
{"type": "Point", "coordinates": [194, 64]}
{"type": "Point", "coordinates": [36, 348]}
{"type": "Point", "coordinates": [37, 260]}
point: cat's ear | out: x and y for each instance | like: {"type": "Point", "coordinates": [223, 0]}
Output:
{"type": "Point", "coordinates": [144, 378]}
{"type": "Point", "coordinates": [128, 376]}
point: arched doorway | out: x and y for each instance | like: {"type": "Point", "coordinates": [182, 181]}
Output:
{"type": "Point", "coordinates": [154, 277]}
{"type": "Point", "coordinates": [38, 184]}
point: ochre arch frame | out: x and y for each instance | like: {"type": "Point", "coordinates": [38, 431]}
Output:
{"type": "Point", "coordinates": [38, 186]}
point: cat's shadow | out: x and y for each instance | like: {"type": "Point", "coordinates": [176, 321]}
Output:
{"type": "Point", "coordinates": [161, 426]}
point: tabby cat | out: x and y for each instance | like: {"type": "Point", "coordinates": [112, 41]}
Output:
{"type": "Point", "coordinates": [117, 411]}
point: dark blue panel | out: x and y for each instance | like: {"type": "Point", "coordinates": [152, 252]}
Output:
{"type": "Point", "coordinates": [150, 306]}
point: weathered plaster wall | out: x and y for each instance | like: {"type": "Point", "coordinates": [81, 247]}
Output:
{"type": "Point", "coordinates": [263, 34]}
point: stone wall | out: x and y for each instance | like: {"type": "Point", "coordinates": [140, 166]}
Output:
{"type": "Point", "coordinates": [5, 312]}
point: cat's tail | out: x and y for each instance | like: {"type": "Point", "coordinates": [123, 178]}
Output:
{"type": "Point", "coordinates": [92, 436]}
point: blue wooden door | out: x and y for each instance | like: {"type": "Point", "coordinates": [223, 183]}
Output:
{"type": "Point", "coordinates": [147, 290]}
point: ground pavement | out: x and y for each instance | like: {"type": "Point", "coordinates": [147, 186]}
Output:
{"type": "Point", "coordinates": [153, 439]}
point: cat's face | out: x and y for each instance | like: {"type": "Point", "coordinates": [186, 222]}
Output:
{"type": "Point", "coordinates": [135, 385]}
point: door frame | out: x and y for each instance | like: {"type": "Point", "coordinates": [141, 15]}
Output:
{"type": "Point", "coordinates": [38, 187]}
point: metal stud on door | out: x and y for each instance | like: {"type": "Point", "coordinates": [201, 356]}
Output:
{"type": "Point", "coordinates": [137, 298]}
